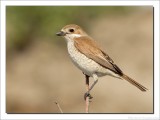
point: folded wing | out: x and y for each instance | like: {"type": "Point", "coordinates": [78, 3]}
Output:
{"type": "Point", "coordinates": [89, 48]}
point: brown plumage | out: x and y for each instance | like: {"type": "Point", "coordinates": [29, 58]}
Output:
{"type": "Point", "coordinates": [90, 48]}
{"type": "Point", "coordinates": [133, 82]}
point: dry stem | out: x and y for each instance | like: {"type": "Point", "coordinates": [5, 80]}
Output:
{"type": "Point", "coordinates": [59, 107]}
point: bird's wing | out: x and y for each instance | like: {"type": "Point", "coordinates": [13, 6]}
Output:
{"type": "Point", "coordinates": [89, 48]}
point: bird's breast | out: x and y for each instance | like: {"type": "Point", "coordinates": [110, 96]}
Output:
{"type": "Point", "coordinates": [87, 65]}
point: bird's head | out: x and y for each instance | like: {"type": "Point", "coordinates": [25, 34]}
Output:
{"type": "Point", "coordinates": [71, 31]}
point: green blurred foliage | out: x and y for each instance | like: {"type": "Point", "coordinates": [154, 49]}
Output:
{"type": "Point", "coordinates": [28, 23]}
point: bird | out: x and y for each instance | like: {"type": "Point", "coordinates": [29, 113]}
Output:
{"type": "Point", "coordinates": [89, 57]}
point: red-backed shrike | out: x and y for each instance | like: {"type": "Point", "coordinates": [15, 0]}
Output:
{"type": "Point", "coordinates": [90, 58]}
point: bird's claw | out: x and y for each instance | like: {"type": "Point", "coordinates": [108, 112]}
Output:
{"type": "Point", "coordinates": [87, 94]}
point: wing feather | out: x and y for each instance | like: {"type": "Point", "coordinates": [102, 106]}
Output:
{"type": "Point", "coordinates": [89, 48]}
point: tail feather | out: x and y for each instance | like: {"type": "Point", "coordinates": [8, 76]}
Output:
{"type": "Point", "coordinates": [133, 82]}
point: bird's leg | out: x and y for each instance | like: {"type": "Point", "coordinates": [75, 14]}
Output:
{"type": "Point", "coordinates": [95, 77]}
{"type": "Point", "coordinates": [87, 97]}
{"type": "Point", "coordinates": [87, 87]}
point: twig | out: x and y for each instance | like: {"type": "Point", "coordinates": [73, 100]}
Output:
{"type": "Point", "coordinates": [59, 107]}
{"type": "Point", "coordinates": [87, 97]}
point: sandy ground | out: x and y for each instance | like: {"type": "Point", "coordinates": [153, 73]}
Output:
{"type": "Point", "coordinates": [44, 73]}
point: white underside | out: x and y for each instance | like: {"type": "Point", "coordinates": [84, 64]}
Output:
{"type": "Point", "coordinates": [86, 65]}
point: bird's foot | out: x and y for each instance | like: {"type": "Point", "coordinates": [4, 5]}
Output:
{"type": "Point", "coordinates": [87, 94]}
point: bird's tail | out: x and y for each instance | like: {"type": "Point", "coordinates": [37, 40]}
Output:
{"type": "Point", "coordinates": [133, 82]}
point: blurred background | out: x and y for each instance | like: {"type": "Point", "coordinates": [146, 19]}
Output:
{"type": "Point", "coordinates": [40, 72]}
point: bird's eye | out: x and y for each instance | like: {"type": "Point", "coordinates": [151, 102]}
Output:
{"type": "Point", "coordinates": [71, 30]}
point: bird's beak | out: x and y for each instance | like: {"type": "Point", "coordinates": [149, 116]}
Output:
{"type": "Point", "coordinates": [61, 33]}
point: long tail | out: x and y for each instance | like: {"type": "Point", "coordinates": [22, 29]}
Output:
{"type": "Point", "coordinates": [133, 82]}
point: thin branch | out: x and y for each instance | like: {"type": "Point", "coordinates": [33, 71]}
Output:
{"type": "Point", "coordinates": [58, 107]}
